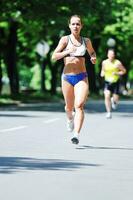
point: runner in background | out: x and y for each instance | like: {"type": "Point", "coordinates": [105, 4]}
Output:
{"type": "Point", "coordinates": [111, 70]}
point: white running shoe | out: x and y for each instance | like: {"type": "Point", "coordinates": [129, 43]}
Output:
{"type": "Point", "coordinates": [70, 123]}
{"type": "Point", "coordinates": [113, 103]}
{"type": "Point", "coordinates": [108, 115]}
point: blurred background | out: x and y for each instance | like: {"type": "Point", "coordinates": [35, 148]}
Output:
{"type": "Point", "coordinates": [30, 30]}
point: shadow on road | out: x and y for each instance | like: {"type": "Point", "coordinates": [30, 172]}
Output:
{"type": "Point", "coordinates": [82, 147]}
{"type": "Point", "coordinates": [10, 165]}
{"type": "Point", "coordinates": [99, 107]}
{"type": "Point", "coordinates": [96, 106]}
{"type": "Point", "coordinates": [15, 115]}
{"type": "Point", "coordinates": [21, 115]}
{"type": "Point", "coordinates": [50, 107]}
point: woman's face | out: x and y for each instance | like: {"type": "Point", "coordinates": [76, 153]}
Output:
{"type": "Point", "coordinates": [75, 25]}
{"type": "Point", "coordinates": [111, 55]}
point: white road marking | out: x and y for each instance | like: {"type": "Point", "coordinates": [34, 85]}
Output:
{"type": "Point", "coordinates": [51, 120]}
{"type": "Point", "coordinates": [12, 129]}
{"type": "Point", "coordinates": [22, 127]}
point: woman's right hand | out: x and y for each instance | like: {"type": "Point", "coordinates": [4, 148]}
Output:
{"type": "Point", "coordinates": [72, 49]}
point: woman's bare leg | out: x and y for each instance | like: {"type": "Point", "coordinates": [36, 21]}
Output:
{"type": "Point", "coordinates": [108, 106]}
{"type": "Point", "coordinates": [116, 98]}
{"type": "Point", "coordinates": [107, 95]}
{"type": "Point", "coordinates": [81, 92]}
{"type": "Point", "coordinates": [68, 93]}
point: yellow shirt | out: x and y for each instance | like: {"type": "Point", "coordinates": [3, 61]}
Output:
{"type": "Point", "coordinates": [109, 69]}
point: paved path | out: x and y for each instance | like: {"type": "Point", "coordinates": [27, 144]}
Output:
{"type": "Point", "coordinates": [38, 161]}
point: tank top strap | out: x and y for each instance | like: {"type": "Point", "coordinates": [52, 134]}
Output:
{"type": "Point", "coordinates": [84, 41]}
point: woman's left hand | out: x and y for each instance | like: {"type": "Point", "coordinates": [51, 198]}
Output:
{"type": "Point", "coordinates": [93, 60]}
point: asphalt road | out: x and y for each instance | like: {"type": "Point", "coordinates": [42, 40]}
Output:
{"type": "Point", "coordinates": [38, 161]}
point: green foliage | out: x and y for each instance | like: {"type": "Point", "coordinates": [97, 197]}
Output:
{"type": "Point", "coordinates": [35, 80]}
{"type": "Point", "coordinates": [130, 75]}
{"type": "Point", "coordinates": [48, 78]}
{"type": "Point", "coordinates": [25, 76]}
{"type": "Point", "coordinates": [48, 20]}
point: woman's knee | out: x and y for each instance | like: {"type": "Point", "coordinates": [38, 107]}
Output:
{"type": "Point", "coordinates": [107, 95]}
{"type": "Point", "coordinates": [68, 108]}
{"type": "Point", "coordinates": [79, 105]}
{"type": "Point", "coordinates": [107, 98]}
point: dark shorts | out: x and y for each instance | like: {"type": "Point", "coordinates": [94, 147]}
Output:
{"type": "Point", "coordinates": [112, 87]}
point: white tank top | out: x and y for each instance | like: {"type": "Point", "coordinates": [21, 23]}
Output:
{"type": "Point", "coordinates": [80, 50]}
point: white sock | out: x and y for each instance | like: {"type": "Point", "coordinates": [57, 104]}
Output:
{"type": "Point", "coordinates": [70, 119]}
{"type": "Point", "coordinates": [76, 135]}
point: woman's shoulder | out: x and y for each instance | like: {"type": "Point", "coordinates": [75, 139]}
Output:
{"type": "Point", "coordinates": [64, 39]}
{"type": "Point", "coordinates": [117, 60]}
{"type": "Point", "coordinates": [105, 61]}
{"type": "Point", "coordinates": [87, 39]}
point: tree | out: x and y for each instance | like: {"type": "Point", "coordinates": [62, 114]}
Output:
{"type": "Point", "coordinates": [32, 21]}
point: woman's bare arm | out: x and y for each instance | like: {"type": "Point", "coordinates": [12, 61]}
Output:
{"type": "Point", "coordinates": [122, 69]}
{"type": "Point", "coordinates": [58, 52]}
{"type": "Point", "coordinates": [102, 70]}
{"type": "Point", "coordinates": [91, 50]}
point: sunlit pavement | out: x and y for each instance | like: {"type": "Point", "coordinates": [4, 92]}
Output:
{"type": "Point", "coordinates": [38, 161]}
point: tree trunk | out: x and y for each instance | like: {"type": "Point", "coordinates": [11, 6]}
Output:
{"type": "Point", "coordinates": [91, 75]}
{"type": "Point", "coordinates": [2, 50]}
{"type": "Point", "coordinates": [91, 68]}
{"type": "Point", "coordinates": [53, 73]}
{"type": "Point", "coordinates": [0, 77]}
{"type": "Point", "coordinates": [11, 58]}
